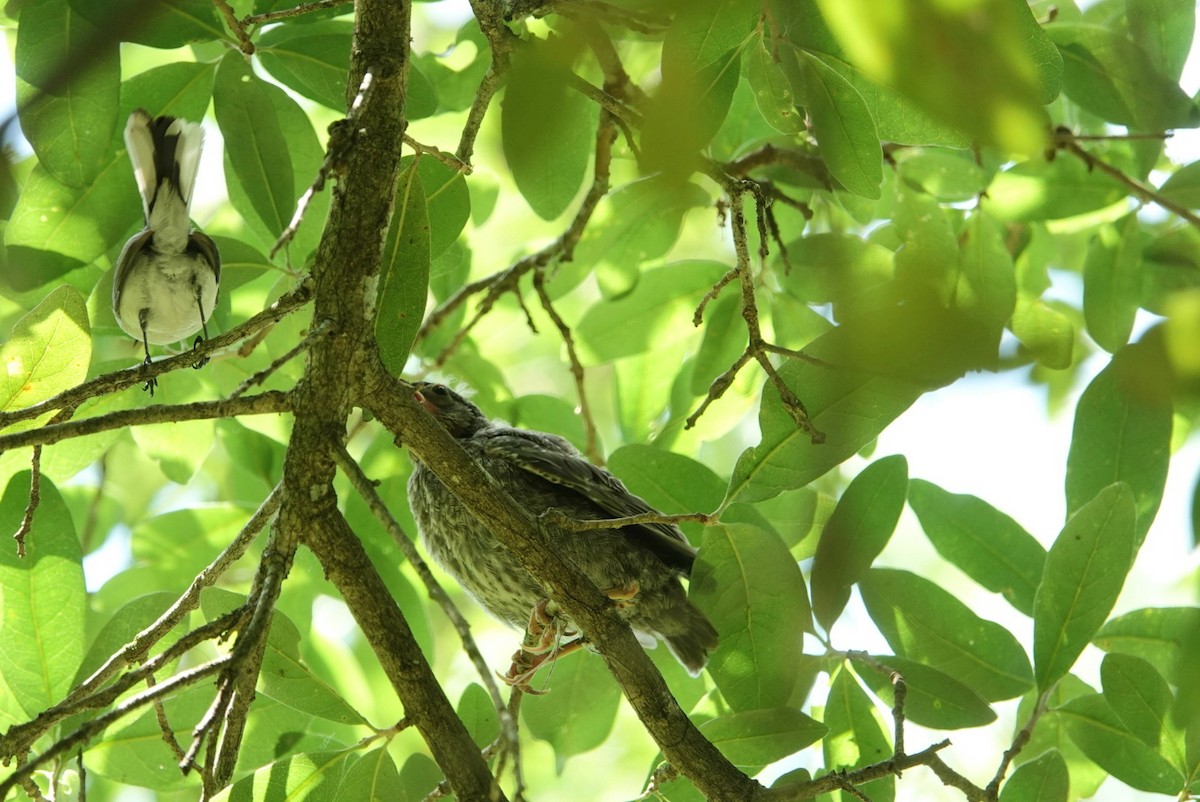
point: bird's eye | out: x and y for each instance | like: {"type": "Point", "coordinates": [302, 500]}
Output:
{"type": "Point", "coordinates": [439, 390]}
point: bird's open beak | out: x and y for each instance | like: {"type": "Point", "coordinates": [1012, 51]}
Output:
{"type": "Point", "coordinates": [423, 401]}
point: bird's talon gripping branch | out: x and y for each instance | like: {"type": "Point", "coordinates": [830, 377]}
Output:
{"type": "Point", "coordinates": [203, 360]}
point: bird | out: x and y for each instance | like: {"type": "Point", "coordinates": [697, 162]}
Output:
{"type": "Point", "coordinates": [168, 275]}
{"type": "Point", "coordinates": [638, 566]}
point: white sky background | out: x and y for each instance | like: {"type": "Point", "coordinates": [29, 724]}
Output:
{"type": "Point", "coordinates": [988, 435]}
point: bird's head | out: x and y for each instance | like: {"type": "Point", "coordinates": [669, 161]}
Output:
{"type": "Point", "coordinates": [458, 415]}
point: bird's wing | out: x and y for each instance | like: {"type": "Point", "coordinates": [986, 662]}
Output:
{"type": "Point", "coordinates": [556, 461]}
{"type": "Point", "coordinates": [125, 263]}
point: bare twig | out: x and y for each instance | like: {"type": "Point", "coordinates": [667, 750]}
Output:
{"type": "Point", "coordinates": [88, 694]}
{"type": "Point", "coordinates": [342, 135]}
{"type": "Point", "coordinates": [445, 157]}
{"type": "Point", "coordinates": [121, 379]}
{"type": "Point", "coordinates": [97, 725]}
{"type": "Point", "coordinates": [560, 519]}
{"type": "Point", "coordinates": [1064, 139]}
{"type": "Point", "coordinates": [264, 403]}
{"type": "Point", "coordinates": [591, 445]}
{"type": "Point", "coordinates": [366, 489]}
{"type": "Point", "coordinates": [318, 331]}
{"type": "Point", "coordinates": [238, 28]}
{"type": "Point", "coordinates": [1019, 742]}
{"type": "Point", "coordinates": [305, 8]}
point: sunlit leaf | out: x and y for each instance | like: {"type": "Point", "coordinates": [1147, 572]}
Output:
{"type": "Point", "coordinates": [987, 545]}
{"type": "Point", "coordinates": [41, 641]}
{"type": "Point", "coordinates": [1085, 570]}
{"type": "Point", "coordinates": [926, 623]}
{"type": "Point", "coordinates": [753, 592]}
{"type": "Point", "coordinates": [1122, 433]}
{"type": "Point", "coordinates": [859, 528]}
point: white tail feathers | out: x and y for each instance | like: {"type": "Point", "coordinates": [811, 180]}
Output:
{"type": "Point", "coordinates": [165, 152]}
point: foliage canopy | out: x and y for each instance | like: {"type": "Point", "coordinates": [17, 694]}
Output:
{"type": "Point", "coordinates": [721, 245]}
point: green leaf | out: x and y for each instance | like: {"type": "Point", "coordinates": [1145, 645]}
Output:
{"type": "Point", "coordinates": [68, 115]}
{"type": "Point", "coordinates": [752, 739]}
{"type": "Point", "coordinates": [1157, 635]}
{"type": "Point", "coordinates": [547, 127]}
{"type": "Point", "coordinates": [725, 340]}
{"type": "Point", "coordinates": [1184, 186]}
{"type": "Point", "coordinates": [752, 590]}
{"type": "Point", "coordinates": [1122, 432]}
{"type": "Point", "coordinates": [1142, 700]}
{"type": "Point", "coordinates": [772, 90]}
{"type": "Point", "coordinates": [981, 67]}
{"type": "Point", "coordinates": [404, 274]}
{"type": "Point", "coordinates": [947, 175]}
{"type": "Point", "coordinates": [928, 257]}
{"type": "Point", "coordinates": [261, 158]}
{"type": "Point", "coordinates": [934, 699]}
{"type": "Point", "coordinates": [41, 641]}
{"type": "Point", "coordinates": [838, 268]}
{"type": "Point", "coordinates": [372, 778]}
{"type": "Point", "coordinates": [983, 542]}
{"type": "Point", "coordinates": [448, 201]}
{"type": "Point", "coordinates": [702, 32]}
{"type": "Point", "coordinates": [578, 713]}
{"type": "Point", "coordinates": [48, 350]}
{"type": "Point", "coordinates": [1041, 190]}
{"type": "Point", "coordinates": [686, 112]}
{"type": "Point", "coordinates": [160, 23]}
{"type": "Point", "coordinates": [1098, 731]}
{"type": "Point", "coordinates": [652, 317]}
{"type": "Point", "coordinates": [928, 624]}
{"type": "Point", "coordinates": [1112, 283]}
{"type": "Point", "coordinates": [311, 775]}
{"type": "Point", "coordinates": [1084, 572]}
{"type": "Point", "coordinates": [1044, 332]}
{"type": "Point", "coordinates": [1042, 780]}
{"type": "Point", "coordinates": [859, 528]}
{"type": "Point", "coordinates": [856, 738]}
{"type": "Point", "coordinates": [641, 222]}
{"type": "Point", "coordinates": [1110, 76]}
{"type": "Point", "coordinates": [670, 482]}
{"type": "Point", "coordinates": [987, 280]}
{"type": "Point", "coordinates": [869, 377]}
{"type": "Point", "coordinates": [134, 753]}
{"type": "Point", "coordinates": [844, 129]}
{"type": "Point", "coordinates": [312, 59]}
{"type": "Point", "coordinates": [1163, 29]}
{"type": "Point", "coordinates": [477, 712]}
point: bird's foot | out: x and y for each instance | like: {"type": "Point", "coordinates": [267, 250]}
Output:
{"type": "Point", "coordinates": [152, 382]}
{"type": "Point", "coordinates": [203, 360]}
{"type": "Point", "coordinates": [624, 597]}
{"type": "Point", "coordinates": [525, 664]}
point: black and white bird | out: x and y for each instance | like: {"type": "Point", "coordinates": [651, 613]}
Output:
{"type": "Point", "coordinates": [168, 274]}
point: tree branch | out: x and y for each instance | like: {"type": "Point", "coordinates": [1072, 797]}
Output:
{"type": "Point", "coordinates": [261, 404]}
{"type": "Point", "coordinates": [681, 742]}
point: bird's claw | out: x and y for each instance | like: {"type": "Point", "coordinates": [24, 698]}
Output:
{"type": "Point", "coordinates": [203, 360]}
{"type": "Point", "coordinates": [152, 382]}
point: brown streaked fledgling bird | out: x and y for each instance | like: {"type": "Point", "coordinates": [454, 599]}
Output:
{"type": "Point", "coordinates": [638, 566]}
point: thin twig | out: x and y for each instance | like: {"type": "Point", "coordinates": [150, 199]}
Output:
{"type": "Point", "coordinates": [342, 136]}
{"type": "Point", "coordinates": [560, 519]}
{"type": "Point", "coordinates": [97, 725]}
{"type": "Point", "coordinates": [238, 29]}
{"type": "Point", "coordinates": [1019, 742]}
{"type": "Point", "coordinates": [366, 489]}
{"type": "Point", "coordinates": [1064, 139]}
{"type": "Point", "coordinates": [318, 331]}
{"type": "Point", "coordinates": [445, 157]}
{"type": "Point", "coordinates": [119, 380]}
{"type": "Point", "coordinates": [87, 694]}
{"type": "Point", "coordinates": [306, 8]}
{"type": "Point", "coordinates": [591, 445]}
{"type": "Point", "coordinates": [265, 403]}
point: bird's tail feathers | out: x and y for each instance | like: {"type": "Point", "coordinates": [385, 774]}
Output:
{"type": "Point", "coordinates": [165, 152]}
